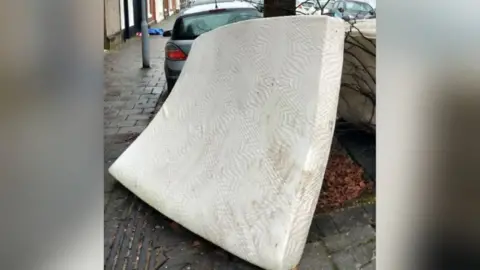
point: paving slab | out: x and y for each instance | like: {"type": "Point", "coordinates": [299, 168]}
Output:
{"type": "Point", "coordinates": [138, 235]}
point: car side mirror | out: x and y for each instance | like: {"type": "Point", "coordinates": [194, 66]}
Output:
{"type": "Point", "coordinates": [167, 33]}
{"type": "Point", "coordinates": [341, 10]}
{"type": "Point", "coordinates": [372, 12]}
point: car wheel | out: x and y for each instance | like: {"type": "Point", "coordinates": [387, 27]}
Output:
{"type": "Point", "coordinates": [170, 84]}
{"type": "Point", "coordinates": [166, 92]}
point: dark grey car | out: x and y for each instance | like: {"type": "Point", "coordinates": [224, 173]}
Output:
{"type": "Point", "coordinates": [194, 22]}
{"type": "Point", "coordinates": [351, 9]}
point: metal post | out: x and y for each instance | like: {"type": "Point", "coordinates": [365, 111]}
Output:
{"type": "Point", "coordinates": [145, 43]}
{"type": "Point", "coordinates": [275, 8]}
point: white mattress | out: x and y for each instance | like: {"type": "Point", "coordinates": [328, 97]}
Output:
{"type": "Point", "coordinates": [238, 151]}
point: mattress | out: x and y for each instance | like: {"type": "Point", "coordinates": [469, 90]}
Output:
{"type": "Point", "coordinates": [238, 151]}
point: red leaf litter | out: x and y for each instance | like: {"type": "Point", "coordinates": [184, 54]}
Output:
{"type": "Point", "coordinates": [343, 181]}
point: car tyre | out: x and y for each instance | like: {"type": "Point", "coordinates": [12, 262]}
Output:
{"type": "Point", "coordinates": [170, 85]}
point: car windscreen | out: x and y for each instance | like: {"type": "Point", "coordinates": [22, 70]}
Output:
{"type": "Point", "coordinates": [357, 6]}
{"type": "Point", "coordinates": [191, 26]}
{"type": "Point", "coordinates": [329, 5]}
{"type": "Point", "coordinates": [307, 5]}
{"type": "Point", "coordinates": [203, 2]}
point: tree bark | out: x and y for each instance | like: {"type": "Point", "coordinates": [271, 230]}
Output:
{"type": "Point", "coordinates": [276, 8]}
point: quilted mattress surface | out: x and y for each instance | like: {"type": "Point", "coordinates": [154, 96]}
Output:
{"type": "Point", "coordinates": [238, 151]}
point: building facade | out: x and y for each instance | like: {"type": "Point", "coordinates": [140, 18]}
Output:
{"type": "Point", "coordinates": [122, 18]}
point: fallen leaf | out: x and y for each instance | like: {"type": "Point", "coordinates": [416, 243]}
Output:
{"type": "Point", "coordinates": [343, 181]}
{"type": "Point", "coordinates": [175, 226]}
{"type": "Point", "coordinates": [196, 243]}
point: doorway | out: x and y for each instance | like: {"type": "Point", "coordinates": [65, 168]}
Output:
{"type": "Point", "coordinates": [129, 29]}
{"type": "Point", "coordinates": [166, 7]}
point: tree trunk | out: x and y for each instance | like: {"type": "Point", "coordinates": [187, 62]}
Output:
{"type": "Point", "coordinates": [275, 8]}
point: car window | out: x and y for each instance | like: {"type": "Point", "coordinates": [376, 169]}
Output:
{"type": "Point", "coordinates": [357, 6]}
{"type": "Point", "coordinates": [190, 27]}
{"type": "Point", "coordinates": [203, 2]}
{"type": "Point", "coordinates": [323, 3]}
{"type": "Point", "coordinates": [307, 5]}
{"type": "Point", "coordinates": [330, 5]}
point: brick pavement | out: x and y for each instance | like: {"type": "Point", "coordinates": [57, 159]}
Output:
{"type": "Point", "coordinates": [138, 237]}
{"type": "Point", "coordinates": [132, 93]}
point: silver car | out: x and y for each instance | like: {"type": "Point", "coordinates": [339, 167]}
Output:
{"type": "Point", "coordinates": [194, 22]}
{"type": "Point", "coordinates": [193, 3]}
